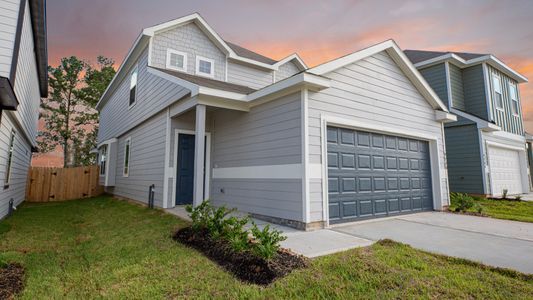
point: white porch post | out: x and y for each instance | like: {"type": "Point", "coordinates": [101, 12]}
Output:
{"type": "Point", "coordinates": [199, 150]}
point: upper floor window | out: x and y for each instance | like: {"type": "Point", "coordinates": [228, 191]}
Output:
{"type": "Point", "coordinates": [498, 95]}
{"type": "Point", "coordinates": [127, 151]}
{"type": "Point", "coordinates": [513, 93]}
{"type": "Point", "coordinates": [205, 66]}
{"type": "Point", "coordinates": [103, 159]}
{"type": "Point", "coordinates": [9, 159]}
{"type": "Point", "coordinates": [176, 60]}
{"type": "Point", "coordinates": [133, 86]}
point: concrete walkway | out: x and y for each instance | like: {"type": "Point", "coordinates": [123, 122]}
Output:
{"type": "Point", "coordinates": [492, 242]}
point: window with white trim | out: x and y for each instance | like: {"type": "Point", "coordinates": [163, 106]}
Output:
{"type": "Point", "coordinates": [513, 94]}
{"type": "Point", "coordinates": [498, 95]}
{"type": "Point", "coordinates": [103, 159]}
{"type": "Point", "coordinates": [176, 60]}
{"type": "Point", "coordinates": [9, 164]}
{"type": "Point", "coordinates": [133, 86]}
{"type": "Point", "coordinates": [205, 66]}
{"type": "Point", "coordinates": [127, 156]}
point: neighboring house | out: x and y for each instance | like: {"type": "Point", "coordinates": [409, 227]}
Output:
{"type": "Point", "coordinates": [486, 146]}
{"type": "Point", "coordinates": [355, 138]}
{"type": "Point", "coordinates": [23, 81]}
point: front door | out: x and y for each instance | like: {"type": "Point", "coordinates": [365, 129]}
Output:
{"type": "Point", "coordinates": [185, 172]}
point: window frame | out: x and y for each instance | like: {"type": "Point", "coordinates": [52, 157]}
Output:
{"type": "Point", "coordinates": [171, 67]}
{"type": "Point", "coordinates": [127, 152]}
{"type": "Point", "coordinates": [102, 153]}
{"type": "Point", "coordinates": [499, 79]}
{"type": "Point", "coordinates": [514, 110]}
{"type": "Point", "coordinates": [9, 163]}
{"type": "Point", "coordinates": [134, 70]}
{"type": "Point", "coordinates": [209, 60]}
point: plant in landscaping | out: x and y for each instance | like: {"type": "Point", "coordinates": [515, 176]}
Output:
{"type": "Point", "coordinates": [462, 201]}
{"type": "Point", "coordinates": [504, 193]}
{"type": "Point", "coordinates": [236, 234]}
{"type": "Point", "coordinates": [518, 198]}
{"type": "Point", "coordinates": [266, 241]}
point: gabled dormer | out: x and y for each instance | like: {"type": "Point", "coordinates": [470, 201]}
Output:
{"type": "Point", "coordinates": [476, 86]}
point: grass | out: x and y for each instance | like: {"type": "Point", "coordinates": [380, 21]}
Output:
{"type": "Point", "coordinates": [103, 248]}
{"type": "Point", "coordinates": [505, 209]}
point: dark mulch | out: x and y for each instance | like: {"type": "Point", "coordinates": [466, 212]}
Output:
{"type": "Point", "coordinates": [11, 280]}
{"type": "Point", "coordinates": [244, 265]}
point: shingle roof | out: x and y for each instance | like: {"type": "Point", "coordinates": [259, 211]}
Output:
{"type": "Point", "coordinates": [416, 56]}
{"type": "Point", "coordinates": [250, 54]}
{"type": "Point", "coordinates": [210, 83]}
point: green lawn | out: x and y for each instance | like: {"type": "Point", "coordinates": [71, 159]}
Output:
{"type": "Point", "coordinates": [106, 248]}
{"type": "Point", "coordinates": [506, 209]}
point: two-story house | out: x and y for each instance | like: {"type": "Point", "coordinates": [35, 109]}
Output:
{"type": "Point", "coordinates": [23, 81]}
{"type": "Point", "coordinates": [485, 148]}
{"type": "Point", "coordinates": [192, 116]}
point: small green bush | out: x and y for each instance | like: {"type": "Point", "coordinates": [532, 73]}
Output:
{"type": "Point", "coordinates": [236, 234]}
{"type": "Point", "coordinates": [518, 198]}
{"type": "Point", "coordinates": [266, 241]}
{"type": "Point", "coordinates": [462, 201]}
{"type": "Point", "coordinates": [504, 193]}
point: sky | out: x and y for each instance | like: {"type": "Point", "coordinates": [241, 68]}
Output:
{"type": "Point", "coordinates": [317, 30]}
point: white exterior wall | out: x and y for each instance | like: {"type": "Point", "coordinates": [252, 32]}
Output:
{"type": "Point", "coordinates": [248, 76]}
{"type": "Point", "coordinates": [375, 92]}
{"type": "Point", "coordinates": [9, 11]}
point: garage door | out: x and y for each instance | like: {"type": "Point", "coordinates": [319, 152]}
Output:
{"type": "Point", "coordinates": [504, 167]}
{"type": "Point", "coordinates": [373, 175]}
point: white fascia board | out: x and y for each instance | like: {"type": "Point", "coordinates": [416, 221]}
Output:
{"type": "Point", "coordinates": [481, 124]}
{"type": "Point", "coordinates": [194, 88]}
{"type": "Point", "coordinates": [444, 117]}
{"type": "Point", "coordinates": [139, 43]}
{"type": "Point", "coordinates": [401, 60]}
{"type": "Point", "coordinates": [313, 82]}
{"type": "Point", "coordinates": [295, 57]}
{"type": "Point", "coordinates": [222, 94]}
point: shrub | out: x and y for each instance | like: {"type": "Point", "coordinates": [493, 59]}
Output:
{"type": "Point", "coordinates": [266, 241]}
{"type": "Point", "coordinates": [504, 193]}
{"type": "Point", "coordinates": [518, 198]}
{"type": "Point", "coordinates": [236, 234]}
{"type": "Point", "coordinates": [462, 201]}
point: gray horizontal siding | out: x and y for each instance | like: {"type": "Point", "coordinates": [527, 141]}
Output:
{"type": "Point", "coordinates": [280, 198]}
{"type": "Point", "coordinates": [9, 11]}
{"type": "Point", "coordinates": [147, 158]}
{"type": "Point", "coordinates": [474, 92]}
{"type": "Point", "coordinates": [456, 85]}
{"type": "Point", "coordinates": [248, 76]}
{"type": "Point", "coordinates": [375, 91]}
{"type": "Point", "coordinates": [464, 159]}
{"type": "Point", "coordinates": [153, 95]}
{"type": "Point", "coordinates": [191, 40]}
{"type": "Point", "coordinates": [20, 164]}
{"type": "Point", "coordinates": [436, 77]}
{"type": "Point", "coordinates": [269, 134]}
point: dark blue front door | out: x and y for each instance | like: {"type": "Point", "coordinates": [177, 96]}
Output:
{"type": "Point", "coordinates": [185, 172]}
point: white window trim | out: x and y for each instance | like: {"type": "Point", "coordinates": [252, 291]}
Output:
{"type": "Point", "coordinates": [496, 76]}
{"type": "Point", "coordinates": [124, 174]}
{"type": "Point", "coordinates": [212, 74]}
{"type": "Point", "coordinates": [135, 68]}
{"type": "Point", "coordinates": [515, 86]}
{"type": "Point", "coordinates": [171, 67]}
{"type": "Point", "coordinates": [100, 159]}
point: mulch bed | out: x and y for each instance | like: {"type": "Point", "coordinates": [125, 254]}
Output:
{"type": "Point", "coordinates": [244, 265]}
{"type": "Point", "coordinates": [11, 280]}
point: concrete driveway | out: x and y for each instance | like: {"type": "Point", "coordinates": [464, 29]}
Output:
{"type": "Point", "coordinates": [494, 242]}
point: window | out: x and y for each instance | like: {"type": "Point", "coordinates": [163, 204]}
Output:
{"type": "Point", "coordinates": [9, 159]}
{"type": "Point", "coordinates": [498, 98]}
{"type": "Point", "coordinates": [133, 86]}
{"type": "Point", "coordinates": [513, 93]}
{"type": "Point", "coordinates": [205, 66]}
{"type": "Point", "coordinates": [127, 150]}
{"type": "Point", "coordinates": [176, 60]}
{"type": "Point", "coordinates": [103, 159]}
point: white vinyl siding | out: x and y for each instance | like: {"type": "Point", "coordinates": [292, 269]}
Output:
{"type": "Point", "coordinates": [9, 11]}
{"type": "Point", "coordinates": [249, 76]}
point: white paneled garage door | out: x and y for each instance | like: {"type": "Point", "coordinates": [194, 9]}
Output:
{"type": "Point", "coordinates": [505, 172]}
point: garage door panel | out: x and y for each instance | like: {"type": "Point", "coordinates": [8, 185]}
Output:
{"type": "Point", "coordinates": [375, 175]}
{"type": "Point", "coordinates": [505, 170]}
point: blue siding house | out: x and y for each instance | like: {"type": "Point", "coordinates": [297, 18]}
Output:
{"type": "Point", "coordinates": [486, 146]}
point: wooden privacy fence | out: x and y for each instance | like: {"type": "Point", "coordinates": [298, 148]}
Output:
{"type": "Point", "coordinates": [60, 184]}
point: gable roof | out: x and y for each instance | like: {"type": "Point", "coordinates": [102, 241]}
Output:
{"type": "Point", "coordinates": [399, 58]}
{"type": "Point", "coordinates": [241, 51]}
{"type": "Point", "coordinates": [421, 58]}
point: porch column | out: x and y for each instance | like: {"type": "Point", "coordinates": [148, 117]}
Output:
{"type": "Point", "coordinates": [199, 151]}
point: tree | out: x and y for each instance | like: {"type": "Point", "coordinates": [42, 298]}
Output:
{"type": "Point", "coordinates": [71, 122]}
